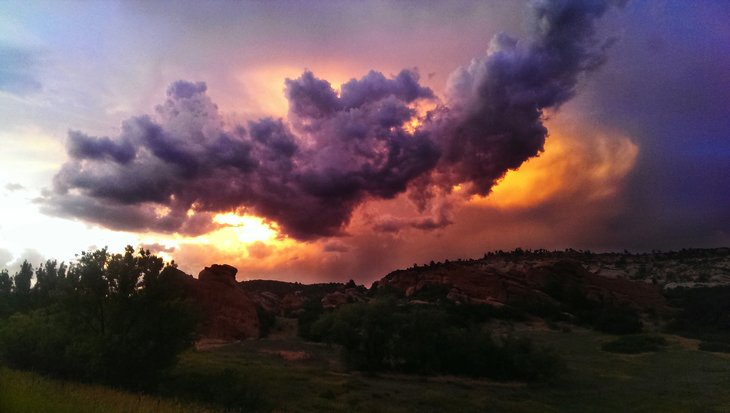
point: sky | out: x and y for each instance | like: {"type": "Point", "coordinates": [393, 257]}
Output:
{"type": "Point", "coordinates": [328, 141]}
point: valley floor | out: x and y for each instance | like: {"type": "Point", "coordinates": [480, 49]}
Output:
{"type": "Point", "coordinates": [288, 375]}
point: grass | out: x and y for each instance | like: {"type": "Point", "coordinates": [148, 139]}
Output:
{"type": "Point", "coordinates": [677, 379]}
{"type": "Point", "coordinates": [25, 392]}
{"type": "Point", "coordinates": [635, 344]}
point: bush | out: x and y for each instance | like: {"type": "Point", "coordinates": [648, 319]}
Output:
{"type": "Point", "coordinates": [311, 312]}
{"type": "Point", "coordinates": [267, 320]}
{"type": "Point", "coordinates": [429, 340]}
{"type": "Point", "coordinates": [705, 313]}
{"type": "Point", "coordinates": [226, 388]}
{"type": "Point", "coordinates": [635, 344]}
{"type": "Point", "coordinates": [613, 320]}
{"type": "Point", "coordinates": [714, 347]}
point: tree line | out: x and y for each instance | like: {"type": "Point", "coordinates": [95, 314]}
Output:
{"type": "Point", "coordinates": [120, 319]}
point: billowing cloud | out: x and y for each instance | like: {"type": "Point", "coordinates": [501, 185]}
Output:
{"type": "Point", "coordinates": [13, 186]}
{"type": "Point", "coordinates": [172, 171]}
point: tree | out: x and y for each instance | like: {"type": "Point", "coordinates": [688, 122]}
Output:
{"type": "Point", "coordinates": [6, 283]}
{"type": "Point", "coordinates": [108, 317]}
{"type": "Point", "coordinates": [23, 278]}
{"type": "Point", "coordinates": [22, 281]}
{"type": "Point", "coordinates": [48, 276]}
{"type": "Point", "coordinates": [6, 287]}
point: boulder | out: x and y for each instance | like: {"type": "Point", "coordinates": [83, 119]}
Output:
{"type": "Point", "coordinates": [220, 273]}
{"type": "Point", "coordinates": [228, 312]}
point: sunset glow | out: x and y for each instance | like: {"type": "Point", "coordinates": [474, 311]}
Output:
{"type": "Point", "coordinates": [329, 141]}
{"type": "Point", "coordinates": [565, 167]}
{"type": "Point", "coordinates": [247, 228]}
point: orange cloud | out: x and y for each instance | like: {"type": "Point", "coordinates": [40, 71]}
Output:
{"type": "Point", "coordinates": [596, 166]}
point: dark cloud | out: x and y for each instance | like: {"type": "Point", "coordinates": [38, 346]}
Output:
{"type": "Point", "coordinates": [495, 117]}
{"type": "Point", "coordinates": [14, 187]}
{"type": "Point", "coordinates": [668, 90]}
{"type": "Point", "coordinates": [18, 69]}
{"type": "Point", "coordinates": [172, 171]}
{"type": "Point", "coordinates": [335, 246]}
{"type": "Point", "coordinates": [157, 248]}
{"type": "Point", "coordinates": [81, 146]}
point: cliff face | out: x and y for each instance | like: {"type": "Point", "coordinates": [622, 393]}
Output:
{"type": "Point", "coordinates": [228, 312]}
{"type": "Point", "coordinates": [480, 283]}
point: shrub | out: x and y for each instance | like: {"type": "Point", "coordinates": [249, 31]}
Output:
{"type": "Point", "coordinates": [705, 313]}
{"type": "Point", "coordinates": [267, 320]}
{"type": "Point", "coordinates": [429, 340]}
{"type": "Point", "coordinates": [226, 388]}
{"type": "Point", "coordinates": [635, 344]}
{"type": "Point", "coordinates": [714, 346]}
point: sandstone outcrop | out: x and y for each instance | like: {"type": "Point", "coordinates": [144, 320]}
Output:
{"type": "Point", "coordinates": [478, 283]}
{"type": "Point", "coordinates": [228, 312]}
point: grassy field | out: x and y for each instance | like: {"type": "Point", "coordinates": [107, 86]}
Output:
{"type": "Point", "coordinates": [288, 375]}
{"type": "Point", "coordinates": [24, 392]}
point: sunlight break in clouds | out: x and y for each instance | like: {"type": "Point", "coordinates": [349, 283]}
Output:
{"type": "Point", "coordinates": [338, 148]}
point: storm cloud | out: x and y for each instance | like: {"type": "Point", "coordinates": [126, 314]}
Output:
{"type": "Point", "coordinates": [173, 170]}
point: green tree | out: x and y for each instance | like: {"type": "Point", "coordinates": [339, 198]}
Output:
{"type": "Point", "coordinates": [48, 276]}
{"type": "Point", "coordinates": [22, 281]}
{"type": "Point", "coordinates": [6, 287]}
{"type": "Point", "coordinates": [6, 283]}
{"type": "Point", "coordinates": [23, 278]}
{"type": "Point", "coordinates": [108, 317]}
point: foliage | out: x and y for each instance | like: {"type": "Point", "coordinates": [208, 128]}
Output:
{"type": "Point", "coordinates": [634, 344]}
{"type": "Point", "coordinates": [705, 313]}
{"type": "Point", "coordinates": [267, 320]}
{"type": "Point", "coordinates": [574, 306]}
{"type": "Point", "coordinates": [221, 387]}
{"type": "Point", "coordinates": [428, 340]}
{"type": "Point", "coordinates": [311, 312]}
{"type": "Point", "coordinates": [26, 392]}
{"type": "Point", "coordinates": [109, 317]}
{"type": "Point", "coordinates": [714, 346]}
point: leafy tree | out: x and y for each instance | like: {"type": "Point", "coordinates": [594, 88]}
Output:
{"type": "Point", "coordinates": [48, 276]}
{"type": "Point", "coordinates": [22, 281]}
{"type": "Point", "coordinates": [6, 286]}
{"type": "Point", "coordinates": [22, 278]}
{"type": "Point", "coordinates": [381, 335]}
{"type": "Point", "coordinates": [6, 283]}
{"type": "Point", "coordinates": [108, 317]}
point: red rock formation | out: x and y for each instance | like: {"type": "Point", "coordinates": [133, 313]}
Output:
{"type": "Point", "coordinates": [338, 298]}
{"type": "Point", "coordinates": [480, 283]}
{"type": "Point", "coordinates": [229, 313]}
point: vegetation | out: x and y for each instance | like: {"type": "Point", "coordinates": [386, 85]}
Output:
{"type": "Point", "coordinates": [705, 314]}
{"type": "Point", "coordinates": [592, 381]}
{"type": "Point", "coordinates": [121, 319]}
{"type": "Point", "coordinates": [382, 336]}
{"type": "Point", "coordinates": [26, 392]}
{"type": "Point", "coordinates": [640, 343]}
{"type": "Point", "coordinates": [111, 318]}
{"type": "Point", "coordinates": [714, 346]}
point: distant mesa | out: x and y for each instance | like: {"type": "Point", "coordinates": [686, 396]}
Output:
{"type": "Point", "coordinates": [231, 310]}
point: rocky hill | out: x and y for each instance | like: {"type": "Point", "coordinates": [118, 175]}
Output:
{"type": "Point", "coordinates": [687, 267]}
{"type": "Point", "coordinates": [550, 279]}
{"type": "Point", "coordinates": [228, 312]}
{"type": "Point", "coordinates": [545, 282]}
{"type": "Point", "coordinates": [288, 299]}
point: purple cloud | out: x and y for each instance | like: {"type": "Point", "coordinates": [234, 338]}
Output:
{"type": "Point", "coordinates": [334, 151]}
